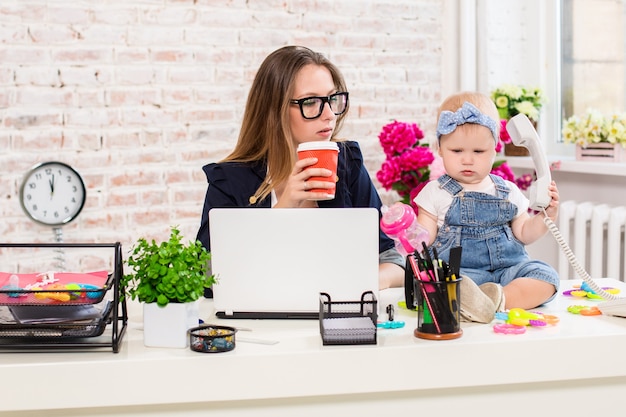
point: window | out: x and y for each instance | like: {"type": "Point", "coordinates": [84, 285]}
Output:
{"type": "Point", "coordinates": [574, 49]}
{"type": "Point", "coordinates": [592, 56]}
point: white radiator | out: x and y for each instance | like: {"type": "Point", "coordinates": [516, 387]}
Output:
{"type": "Point", "coordinates": [595, 234]}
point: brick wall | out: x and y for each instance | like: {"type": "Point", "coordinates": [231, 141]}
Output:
{"type": "Point", "coordinates": [137, 95]}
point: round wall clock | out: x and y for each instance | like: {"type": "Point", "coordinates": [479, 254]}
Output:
{"type": "Point", "coordinates": [52, 193]}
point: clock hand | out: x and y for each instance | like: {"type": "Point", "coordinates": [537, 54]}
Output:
{"type": "Point", "coordinates": [52, 185]}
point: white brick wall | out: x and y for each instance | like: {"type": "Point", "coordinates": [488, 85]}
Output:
{"type": "Point", "coordinates": [138, 95]}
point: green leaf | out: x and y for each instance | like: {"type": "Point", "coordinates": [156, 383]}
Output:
{"type": "Point", "coordinates": [496, 164]}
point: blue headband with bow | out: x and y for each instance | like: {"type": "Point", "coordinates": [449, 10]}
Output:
{"type": "Point", "coordinates": [468, 113]}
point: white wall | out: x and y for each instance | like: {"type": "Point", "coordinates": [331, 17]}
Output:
{"type": "Point", "coordinates": [138, 95]}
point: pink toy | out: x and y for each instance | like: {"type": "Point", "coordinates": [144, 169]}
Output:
{"type": "Point", "coordinates": [506, 328]}
{"type": "Point", "coordinates": [400, 223]}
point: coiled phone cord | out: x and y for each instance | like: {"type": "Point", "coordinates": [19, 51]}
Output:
{"type": "Point", "coordinates": [573, 260]}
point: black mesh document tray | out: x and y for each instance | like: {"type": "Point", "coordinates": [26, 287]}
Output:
{"type": "Point", "coordinates": [90, 314]}
{"type": "Point", "coordinates": [348, 322]}
{"type": "Point", "coordinates": [35, 324]}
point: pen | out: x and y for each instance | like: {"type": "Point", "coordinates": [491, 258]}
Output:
{"type": "Point", "coordinates": [423, 264]}
{"type": "Point", "coordinates": [442, 277]}
{"type": "Point", "coordinates": [452, 293]}
{"type": "Point", "coordinates": [455, 260]}
{"type": "Point", "coordinates": [417, 274]}
{"type": "Point", "coordinates": [438, 266]}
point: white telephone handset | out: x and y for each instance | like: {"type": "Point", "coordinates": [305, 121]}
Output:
{"type": "Point", "coordinates": [524, 134]}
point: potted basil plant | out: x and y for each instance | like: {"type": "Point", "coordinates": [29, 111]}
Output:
{"type": "Point", "coordinates": [169, 278]}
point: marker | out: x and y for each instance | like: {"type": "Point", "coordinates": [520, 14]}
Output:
{"type": "Point", "coordinates": [416, 272]}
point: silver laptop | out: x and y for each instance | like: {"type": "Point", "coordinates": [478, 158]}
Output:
{"type": "Point", "coordinates": [273, 263]}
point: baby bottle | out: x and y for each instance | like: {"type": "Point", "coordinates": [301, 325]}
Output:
{"type": "Point", "coordinates": [400, 223]}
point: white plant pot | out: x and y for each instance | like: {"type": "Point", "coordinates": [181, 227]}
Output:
{"type": "Point", "coordinates": [167, 326]}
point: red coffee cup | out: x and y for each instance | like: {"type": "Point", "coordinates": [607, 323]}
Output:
{"type": "Point", "coordinates": [326, 153]}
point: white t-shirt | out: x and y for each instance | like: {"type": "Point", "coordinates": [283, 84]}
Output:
{"type": "Point", "coordinates": [437, 201]}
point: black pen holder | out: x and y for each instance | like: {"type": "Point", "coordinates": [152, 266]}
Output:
{"type": "Point", "coordinates": [438, 309]}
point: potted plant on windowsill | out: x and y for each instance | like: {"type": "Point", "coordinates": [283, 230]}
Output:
{"type": "Point", "coordinates": [511, 100]}
{"type": "Point", "coordinates": [597, 137]}
{"type": "Point", "coordinates": [169, 278]}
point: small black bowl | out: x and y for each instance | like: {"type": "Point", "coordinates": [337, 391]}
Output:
{"type": "Point", "coordinates": [212, 339]}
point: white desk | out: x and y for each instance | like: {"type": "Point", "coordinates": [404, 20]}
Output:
{"type": "Point", "coordinates": [577, 367]}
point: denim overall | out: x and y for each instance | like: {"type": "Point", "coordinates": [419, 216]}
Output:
{"type": "Point", "coordinates": [481, 224]}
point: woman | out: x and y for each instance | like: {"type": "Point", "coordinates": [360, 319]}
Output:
{"type": "Point", "coordinates": [297, 96]}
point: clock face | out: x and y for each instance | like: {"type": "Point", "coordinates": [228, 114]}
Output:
{"type": "Point", "coordinates": [52, 193]}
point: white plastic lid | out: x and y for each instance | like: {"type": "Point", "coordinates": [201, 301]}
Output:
{"type": "Point", "coordinates": [318, 144]}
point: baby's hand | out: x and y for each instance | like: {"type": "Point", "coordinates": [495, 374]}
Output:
{"type": "Point", "coordinates": [553, 208]}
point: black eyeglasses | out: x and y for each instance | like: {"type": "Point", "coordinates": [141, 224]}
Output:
{"type": "Point", "coordinates": [312, 107]}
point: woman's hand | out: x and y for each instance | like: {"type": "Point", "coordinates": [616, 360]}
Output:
{"type": "Point", "coordinates": [296, 190]}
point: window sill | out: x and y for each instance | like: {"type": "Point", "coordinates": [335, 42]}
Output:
{"type": "Point", "coordinates": [570, 164]}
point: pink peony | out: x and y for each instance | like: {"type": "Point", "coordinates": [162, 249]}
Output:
{"type": "Point", "coordinates": [524, 181]}
{"type": "Point", "coordinates": [502, 169]}
{"type": "Point", "coordinates": [395, 137]}
{"type": "Point", "coordinates": [389, 173]}
{"type": "Point", "coordinates": [406, 166]}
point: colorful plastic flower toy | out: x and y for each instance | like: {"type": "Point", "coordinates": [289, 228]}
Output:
{"type": "Point", "coordinates": [584, 310]}
{"type": "Point", "coordinates": [521, 317]}
{"type": "Point", "coordinates": [390, 324]}
{"type": "Point", "coordinates": [584, 290]}
{"type": "Point", "coordinates": [507, 328]}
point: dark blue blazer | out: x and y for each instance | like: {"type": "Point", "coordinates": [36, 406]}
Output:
{"type": "Point", "coordinates": [231, 184]}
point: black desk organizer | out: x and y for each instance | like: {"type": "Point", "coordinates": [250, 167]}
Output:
{"type": "Point", "coordinates": [348, 322]}
{"type": "Point", "coordinates": [86, 334]}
